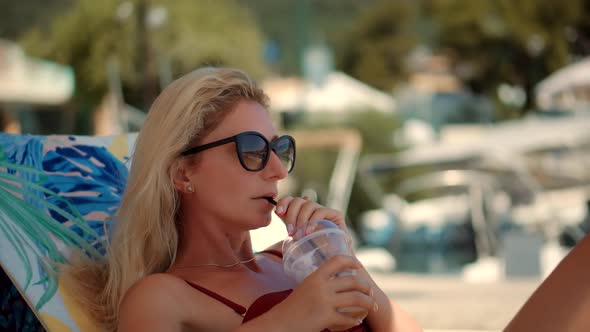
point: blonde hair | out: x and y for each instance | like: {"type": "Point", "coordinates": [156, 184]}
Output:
{"type": "Point", "coordinates": [145, 236]}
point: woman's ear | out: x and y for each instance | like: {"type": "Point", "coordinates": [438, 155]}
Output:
{"type": "Point", "coordinates": [181, 179]}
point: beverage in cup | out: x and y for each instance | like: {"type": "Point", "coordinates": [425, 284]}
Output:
{"type": "Point", "coordinates": [302, 256]}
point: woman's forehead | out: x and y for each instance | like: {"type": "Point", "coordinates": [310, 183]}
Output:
{"type": "Point", "coordinates": [246, 116]}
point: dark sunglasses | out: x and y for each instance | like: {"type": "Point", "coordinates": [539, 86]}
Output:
{"type": "Point", "coordinates": [253, 150]}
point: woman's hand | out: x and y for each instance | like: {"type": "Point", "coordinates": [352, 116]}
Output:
{"type": "Point", "coordinates": [314, 304]}
{"type": "Point", "coordinates": [298, 214]}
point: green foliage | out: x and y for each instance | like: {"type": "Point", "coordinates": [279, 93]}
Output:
{"type": "Point", "coordinates": [84, 37]}
{"type": "Point", "coordinates": [505, 41]}
{"type": "Point", "coordinates": [18, 16]}
{"type": "Point", "coordinates": [293, 24]}
{"type": "Point", "coordinates": [490, 42]}
{"type": "Point", "coordinates": [379, 43]}
{"type": "Point", "coordinates": [376, 128]}
{"type": "Point", "coordinates": [195, 33]}
{"type": "Point", "coordinates": [220, 32]}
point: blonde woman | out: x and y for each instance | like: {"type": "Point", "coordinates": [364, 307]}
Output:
{"type": "Point", "coordinates": [205, 170]}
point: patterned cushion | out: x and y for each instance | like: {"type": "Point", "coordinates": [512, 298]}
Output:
{"type": "Point", "coordinates": [55, 192]}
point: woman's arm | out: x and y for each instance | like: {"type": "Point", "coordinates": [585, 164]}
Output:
{"type": "Point", "coordinates": [562, 302]}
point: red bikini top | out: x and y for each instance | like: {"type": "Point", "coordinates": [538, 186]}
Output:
{"type": "Point", "coordinates": [263, 303]}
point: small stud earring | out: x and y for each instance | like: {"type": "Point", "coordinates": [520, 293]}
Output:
{"type": "Point", "coordinates": [189, 188]}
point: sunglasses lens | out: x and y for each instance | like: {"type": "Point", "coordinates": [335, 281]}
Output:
{"type": "Point", "coordinates": [285, 150]}
{"type": "Point", "coordinates": [253, 151]}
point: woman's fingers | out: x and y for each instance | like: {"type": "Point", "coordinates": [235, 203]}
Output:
{"type": "Point", "coordinates": [352, 283]}
{"type": "Point", "coordinates": [282, 210]}
{"type": "Point", "coordinates": [304, 217]}
{"type": "Point", "coordinates": [335, 265]}
{"type": "Point", "coordinates": [354, 299]}
{"type": "Point", "coordinates": [343, 322]}
{"type": "Point", "coordinates": [300, 213]}
{"type": "Point", "coordinates": [293, 209]}
{"type": "Point", "coordinates": [296, 213]}
{"type": "Point", "coordinates": [350, 309]}
{"type": "Point", "coordinates": [282, 205]}
{"type": "Point", "coordinates": [329, 214]}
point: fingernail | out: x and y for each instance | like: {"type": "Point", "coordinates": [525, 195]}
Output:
{"type": "Point", "coordinates": [279, 209]}
{"type": "Point", "coordinates": [359, 322]}
{"type": "Point", "coordinates": [290, 229]}
{"type": "Point", "coordinates": [375, 307]}
{"type": "Point", "coordinates": [299, 234]}
{"type": "Point", "coordinates": [308, 230]}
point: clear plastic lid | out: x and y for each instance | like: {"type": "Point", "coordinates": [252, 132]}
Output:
{"type": "Point", "coordinates": [320, 227]}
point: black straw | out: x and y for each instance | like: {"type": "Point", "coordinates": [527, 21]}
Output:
{"type": "Point", "coordinates": [271, 201]}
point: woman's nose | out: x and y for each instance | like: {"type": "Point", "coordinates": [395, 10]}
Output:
{"type": "Point", "coordinates": [275, 167]}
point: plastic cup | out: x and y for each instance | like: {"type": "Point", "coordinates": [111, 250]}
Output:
{"type": "Point", "coordinates": [303, 256]}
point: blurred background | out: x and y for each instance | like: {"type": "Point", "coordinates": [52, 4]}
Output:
{"type": "Point", "coordinates": [454, 133]}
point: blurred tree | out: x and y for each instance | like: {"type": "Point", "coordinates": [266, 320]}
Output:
{"type": "Point", "coordinates": [294, 24]}
{"type": "Point", "coordinates": [490, 42]}
{"type": "Point", "coordinates": [19, 15]}
{"type": "Point", "coordinates": [189, 33]}
{"type": "Point", "coordinates": [495, 42]}
{"type": "Point", "coordinates": [578, 33]}
{"type": "Point", "coordinates": [380, 42]}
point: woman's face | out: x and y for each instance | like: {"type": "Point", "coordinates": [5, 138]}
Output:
{"type": "Point", "coordinates": [223, 189]}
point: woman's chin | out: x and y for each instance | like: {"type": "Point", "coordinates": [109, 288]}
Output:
{"type": "Point", "coordinates": [265, 221]}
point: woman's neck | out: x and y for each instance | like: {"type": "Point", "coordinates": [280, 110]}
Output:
{"type": "Point", "coordinates": [211, 243]}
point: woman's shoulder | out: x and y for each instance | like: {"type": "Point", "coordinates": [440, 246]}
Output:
{"type": "Point", "coordinates": [154, 299]}
{"type": "Point", "coordinates": [171, 301]}
{"type": "Point", "coordinates": [159, 285]}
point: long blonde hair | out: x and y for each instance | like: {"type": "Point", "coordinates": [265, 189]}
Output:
{"type": "Point", "coordinates": [145, 236]}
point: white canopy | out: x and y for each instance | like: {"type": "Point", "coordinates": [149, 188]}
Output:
{"type": "Point", "coordinates": [32, 81]}
{"type": "Point", "coordinates": [566, 87]}
{"type": "Point", "coordinates": [517, 136]}
{"type": "Point", "coordinates": [338, 93]}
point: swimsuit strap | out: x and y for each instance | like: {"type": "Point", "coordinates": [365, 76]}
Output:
{"type": "Point", "coordinates": [277, 253]}
{"type": "Point", "coordinates": [236, 307]}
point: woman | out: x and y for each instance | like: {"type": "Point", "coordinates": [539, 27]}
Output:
{"type": "Point", "coordinates": [205, 171]}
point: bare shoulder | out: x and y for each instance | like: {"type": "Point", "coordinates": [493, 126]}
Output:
{"type": "Point", "coordinates": [165, 302]}
{"type": "Point", "coordinates": [152, 304]}
{"type": "Point", "coordinates": [159, 285]}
